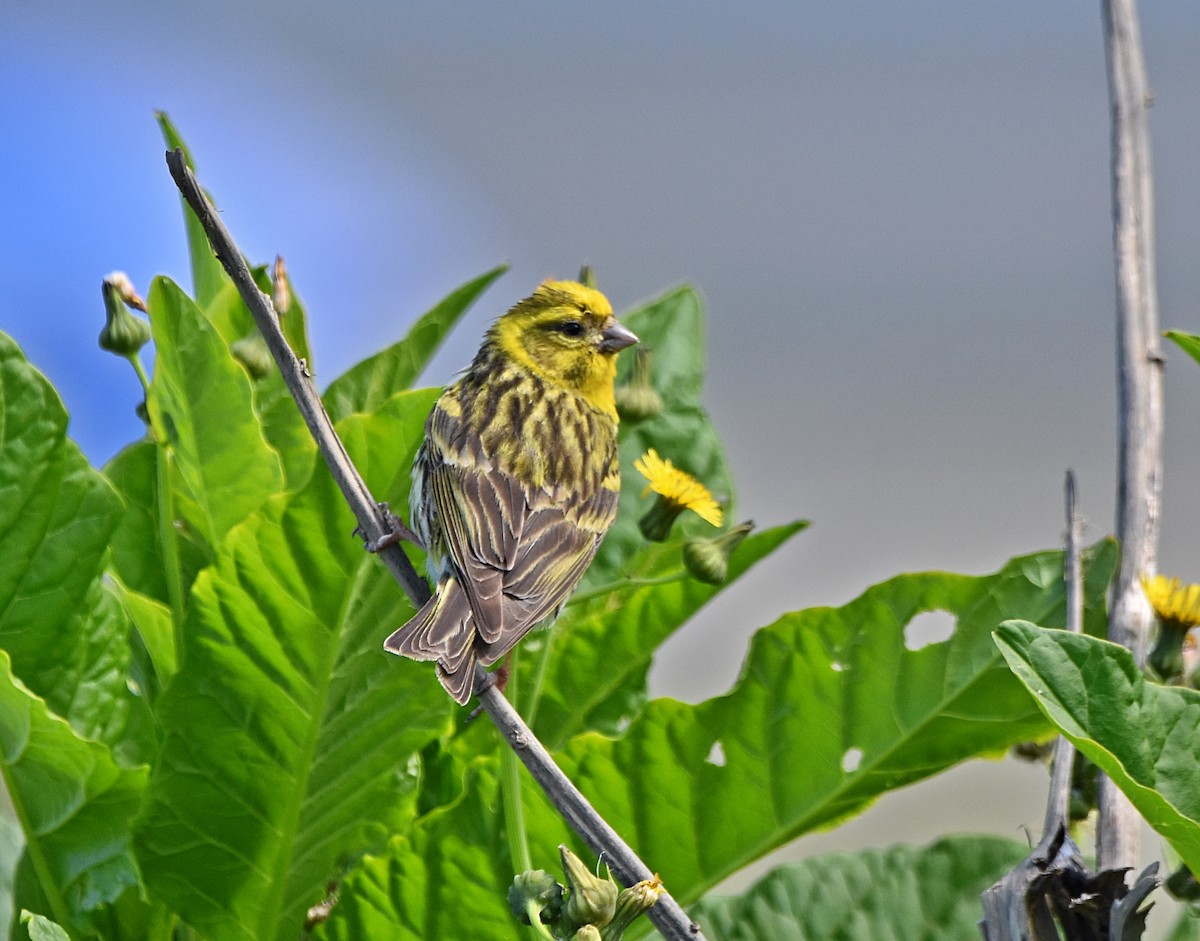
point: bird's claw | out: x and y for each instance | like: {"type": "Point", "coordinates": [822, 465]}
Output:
{"type": "Point", "coordinates": [497, 680]}
{"type": "Point", "coordinates": [396, 532]}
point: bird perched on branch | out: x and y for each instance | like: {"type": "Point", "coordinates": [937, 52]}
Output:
{"type": "Point", "coordinates": [517, 480]}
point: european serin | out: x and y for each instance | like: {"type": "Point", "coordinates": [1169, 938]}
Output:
{"type": "Point", "coordinates": [517, 480]}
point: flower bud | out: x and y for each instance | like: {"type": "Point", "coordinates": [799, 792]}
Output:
{"type": "Point", "coordinates": [637, 399]}
{"type": "Point", "coordinates": [587, 933]}
{"type": "Point", "coordinates": [631, 903]}
{"type": "Point", "coordinates": [707, 560]}
{"type": "Point", "coordinates": [535, 894]}
{"type": "Point", "coordinates": [587, 277]}
{"type": "Point", "coordinates": [123, 333]}
{"type": "Point", "coordinates": [251, 351]}
{"type": "Point", "coordinates": [591, 900]}
{"type": "Point", "coordinates": [281, 287]}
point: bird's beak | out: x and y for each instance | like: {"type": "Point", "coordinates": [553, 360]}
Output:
{"type": "Point", "coordinates": [616, 336]}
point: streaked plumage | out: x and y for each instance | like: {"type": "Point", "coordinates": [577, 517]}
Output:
{"type": "Point", "coordinates": [517, 480]}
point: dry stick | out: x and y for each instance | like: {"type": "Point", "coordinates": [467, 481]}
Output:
{"type": "Point", "coordinates": [1059, 802]}
{"type": "Point", "coordinates": [1139, 369]}
{"type": "Point", "coordinates": [667, 915]}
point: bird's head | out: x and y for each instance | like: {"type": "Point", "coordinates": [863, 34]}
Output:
{"type": "Point", "coordinates": [566, 334]}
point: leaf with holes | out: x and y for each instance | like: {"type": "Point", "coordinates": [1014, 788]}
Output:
{"type": "Point", "coordinates": [701, 791]}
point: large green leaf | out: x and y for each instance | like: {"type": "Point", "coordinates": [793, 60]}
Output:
{"type": "Point", "coordinates": [603, 647]}
{"type": "Point", "coordinates": [447, 878]}
{"type": "Point", "coordinates": [200, 400]}
{"type": "Point", "coordinates": [832, 710]}
{"type": "Point", "coordinates": [74, 803]}
{"type": "Point", "coordinates": [672, 328]}
{"type": "Point", "coordinates": [66, 642]}
{"type": "Point", "coordinates": [289, 733]}
{"type": "Point", "coordinates": [207, 274]}
{"type": "Point", "coordinates": [903, 894]}
{"type": "Point", "coordinates": [1142, 735]}
{"type": "Point", "coordinates": [364, 387]}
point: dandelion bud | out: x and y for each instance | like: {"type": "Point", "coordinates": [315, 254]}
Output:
{"type": "Point", "coordinates": [631, 903]}
{"type": "Point", "coordinates": [251, 351]}
{"type": "Point", "coordinates": [281, 287]}
{"type": "Point", "coordinates": [123, 333]}
{"type": "Point", "coordinates": [591, 900]}
{"type": "Point", "coordinates": [587, 933]}
{"type": "Point", "coordinates": [535, 895]}
{"type": "Point", "coordinates": [707, 560]}
{"type": "Point", "coordinates": [587, 277]}
{"type": "Point", "coordinates": [637, 399]}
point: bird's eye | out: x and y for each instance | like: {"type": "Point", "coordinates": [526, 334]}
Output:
{"type": "Point", "coordinates": [571, 328]}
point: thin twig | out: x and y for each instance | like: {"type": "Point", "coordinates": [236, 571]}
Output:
{"type": "Point", "coordinates": [667, 915]}
{"type": "Point", "coordinates": [1059, 802]}
{"type": "Point", "coordinates": [1139, 368]}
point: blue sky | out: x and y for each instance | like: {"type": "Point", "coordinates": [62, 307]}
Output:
{"type": "Point", "coordinates": [897, 213]}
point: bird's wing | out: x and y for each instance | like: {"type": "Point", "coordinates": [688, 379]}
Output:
{"type": "Point", "coordinates": [552, 556]}
{"type": "Point", "coordinates": [482, 512]}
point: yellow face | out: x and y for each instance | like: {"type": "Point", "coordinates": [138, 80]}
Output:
{"type": "Point", "coordinates": [566, 333]}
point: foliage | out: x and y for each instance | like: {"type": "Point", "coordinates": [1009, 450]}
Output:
{"type": "Point", "coordinates": [202, 736]}
{"type": "Point", "coordinates": [1142, 735]}
{"type": "Point", "coordinates": [905, 893]}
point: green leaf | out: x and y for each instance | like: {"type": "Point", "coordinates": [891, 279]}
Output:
{"type": "Point", "coordinates": [672, 328]}
{"type": "Point", "coordinates": [41, 928]}
{"type": "Point", "coordinates": [11, 845]}
{"type": "Point", "coordinates": [831, 710]}
{"type": "Point", "coordinates": [448, 879]}
{"type": "Point", "coordinates": [289, 733]}
{"type": "Point", "coordinates": [364, 387]}
{"type": "Point", "coordinates": [903, 894]}
{"type": "Point", "coordinates": [56, 514]}
{"type": "Point", "coordinates": [1142, 735]}
{"type": "Point", "coordinates": [74, 803]}
{"type": "Point", "coordinates": [1188, 342]}
{"type": "Point", "coordinates": [207, 274]}
{"type": "Point", "coordinates": [152, 620]}
{"type": "Point", "coordinates": [603, 648]}
{"type": "Point", "coordinates": [200, 400]}
{"type": "Point", "coordinates": [755, 768]}
{"type": "Point", "coordinates": [282, 424]}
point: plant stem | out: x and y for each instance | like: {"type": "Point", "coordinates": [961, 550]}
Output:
{"type": "Point", "coordinates": [626, 582]}
{"type": "Point", "coordinates": [1139, 375]}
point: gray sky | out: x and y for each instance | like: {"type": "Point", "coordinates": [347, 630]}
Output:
{"type": "Point", "coordinates": [898, 215]}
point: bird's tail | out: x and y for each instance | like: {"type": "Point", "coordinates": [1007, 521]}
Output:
{"type": "Point", "coordinates": [443, 631]}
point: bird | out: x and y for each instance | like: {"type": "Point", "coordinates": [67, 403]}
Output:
{"type": "Point", "coordinates": [516, 481]}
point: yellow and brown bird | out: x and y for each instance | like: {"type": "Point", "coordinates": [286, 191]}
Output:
{"type": "Point", "coordinates": [517, 480]}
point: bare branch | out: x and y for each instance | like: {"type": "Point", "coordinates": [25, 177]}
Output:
{"type": "Point", "coordinates": [667, 915]}
{"type": "Point", "coordinates": [1059, 801]}
{"type": "Point", "coordinates": [1139, 368]}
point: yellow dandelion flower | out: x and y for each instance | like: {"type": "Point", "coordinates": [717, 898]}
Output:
{"type": "Point", "coordinates": [1177, 607]}
{"type": "Point", "coordinates": [677, 491]}
{"type": "Point", "coordinates": [1173, 601]}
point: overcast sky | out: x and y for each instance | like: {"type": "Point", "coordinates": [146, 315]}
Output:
{"type": "Point", "coordinates": [897, 213]}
